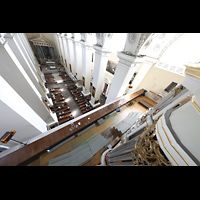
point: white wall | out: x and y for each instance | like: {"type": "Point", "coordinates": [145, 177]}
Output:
{"type": "Point", "coordinates": [158, 79]}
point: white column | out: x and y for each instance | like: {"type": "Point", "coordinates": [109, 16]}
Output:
{"type": "Point", "coordinates": [78, 59]}
{"type": "Point", "coordinates": [61, 47]}
{"type": "Point", "coordinates": [11, 38]}
{"type": "Point", "coordinates": [27, 47]}
{"type": "Point", "coordinates": [35, 77]}
{"type": "Point", "coordinates": [66, 46]}
{"type": "Point", "coordinates": [23, 48]}
{"type": "Point", "coordinates": [65, 52]}
{"type": "Point", "coordinates": [58, 45]}
{"type": "Point", "coordinates": [124, 72]}
{"type": "Point", "coordinates": [13, 72]}
{"type": "Point", "coordinates": [125, 69]}
{"type": "Point", "coordinates": [147, 64]}
{"type": "Point", "coordinates": [75, 58]}
{"type": "Point", "coordinates": [101, 60]}
{"type": "Point", "coordinates": [34, 67]}
{"type": "Point", "coordinates": [86, 66]}
{"type": "Point", "coordinates": [71, 50]}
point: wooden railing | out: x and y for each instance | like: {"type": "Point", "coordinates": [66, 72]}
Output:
{"type": "Point", "coordinates": [30, 152]}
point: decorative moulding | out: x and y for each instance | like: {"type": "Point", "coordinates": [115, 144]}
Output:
{"type": "Point", "coordinates": [172, 68]}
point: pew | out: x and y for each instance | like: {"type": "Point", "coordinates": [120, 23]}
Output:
{"type": "Point", "coordinates": [53, 89]}
{"type": "Point", "coordinates": [63, 111]}
{"type": "Point", "coordinates": [58, 99]}
{"type": "Point", "coordinates": [82, 103]}
{"type": "Point", "coordinates": [64, 116]}
{"type": "Point", "coordinates": [79, 99]}
{"type": "Point", "coordinates": [63, 107]}
{"type": "Point", "coordinates": [60, 102]}
{"type": "Point", "coordinates": [58, 96]}
{"type": "Point", "coordinates": [87, 110]}
{"type": "Point", "coordinates": [65, 120]}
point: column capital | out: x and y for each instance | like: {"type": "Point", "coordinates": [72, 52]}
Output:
{"type": "Point", "coordinates": [101, 51]}
{"type": "Point", "coordinates": [86, 44]}
{"type": "Point", "coordinates": [77, 42]}
{"type": "Point", "coordinates": [125, 59]}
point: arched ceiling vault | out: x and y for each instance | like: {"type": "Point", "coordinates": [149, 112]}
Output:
{"type": "Point", "coordinates": [157, 43]}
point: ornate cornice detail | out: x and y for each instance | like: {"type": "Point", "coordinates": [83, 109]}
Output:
{"type": "Point", "coordinates": [109, 35]}
{"type": "Point", "coordinates": [132, 37]}
{"type": "Point", "coordinates": [101, 38]}
{"type": "Point", "coordinates": [142, 40]}
{"type": "Point", "coordinates": [83, 37]}
{"type": "Point", "coordinates": [170, 67]}
{"type": "Point", "coordinates": [98, 35]}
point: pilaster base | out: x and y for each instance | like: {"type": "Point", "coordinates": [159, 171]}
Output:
{"type": "Point", "coordinates": [78, 85]}
{"type": "Point", "coordinates": [94, 105]}
{"type": "Point", "coordinates": [85, 94]}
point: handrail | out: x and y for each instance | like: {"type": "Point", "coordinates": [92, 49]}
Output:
{"type": "Point", "coordinates": [31, 151]}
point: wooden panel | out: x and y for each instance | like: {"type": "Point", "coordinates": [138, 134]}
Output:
{"type": "Point", "coordinates": [23, 155]}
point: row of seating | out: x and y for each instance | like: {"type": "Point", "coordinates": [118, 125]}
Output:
{"type": "Point", "coordinates": [65, 77]}
{"type": "Point", "coordinates": [81, 100]}
{"type": "Point", "coordinates": [61, 68]}
{"type": "Point", "coordinates": [62, 109]}
{"type": "Point", "coordinates": [49, 78]}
